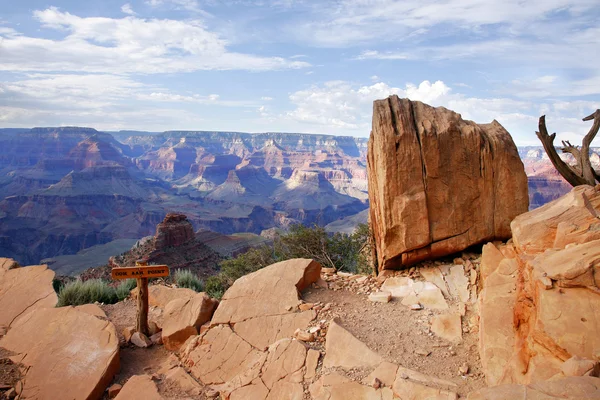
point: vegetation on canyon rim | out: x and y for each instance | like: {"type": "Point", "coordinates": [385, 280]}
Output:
{"type": "Point", "coordinates": [344, 252]}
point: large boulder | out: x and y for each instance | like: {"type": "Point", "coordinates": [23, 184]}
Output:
{"type": "Point", "coordinates": [183, 318]}
{"type": "Point", "coordinates": [67, 353]}
{"type": "Point", "coordinates": [437, 183]}
{"type": "Point", "coordinates": [23, 290]}
{"type": "Point", "coordinates": [571, 388]}
{"type": "Point", "coordinates": [547, 283]}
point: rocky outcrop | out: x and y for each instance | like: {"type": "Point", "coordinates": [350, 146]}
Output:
{"type": "Point", "coordinates": [251, 335]}
{"type": "Point", "coordinates": [184, 317]}
{"type": "Point", "coordinates": [571, 388]}
{"type": "Point", "coordinates": [547, 284]}
{"type": "Point", "coordinates": [174, 231]}
{"type": "Point", "coordinates": [66, 353]}
{"type": "Point", "coordinates": [437, 183]}
{"type": "Point", "coordinates": [23, 290]}
{"type": "Point", "coordinates": [139, 387]}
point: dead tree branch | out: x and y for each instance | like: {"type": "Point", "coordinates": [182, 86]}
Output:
{"type": "Point", "coordinates": [582, 173]}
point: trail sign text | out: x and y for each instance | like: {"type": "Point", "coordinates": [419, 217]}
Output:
{"type": "Point", "coordinates": [152, 271]}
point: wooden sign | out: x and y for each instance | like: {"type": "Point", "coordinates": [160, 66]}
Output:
{"type": "Point", "coordinates": [152, 271]}
{"type": "Point", "coordinates": [141, 272]}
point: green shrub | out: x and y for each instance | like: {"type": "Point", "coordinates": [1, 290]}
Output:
{"type": "Point", "coordinates": [187, 279]}
{"type": "Point", "coordinates": [77, 293]}
{"type": "Point", "coordinates": [246, 263]}
{"type": "Point", "coordinates": [57, 285]}
{"type": "Point", "coordinates": [124, 288]}
{"type": "Point", "coordinates": [215, 287]}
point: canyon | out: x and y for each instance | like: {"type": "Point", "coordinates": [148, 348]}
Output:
{"type": "Point", "coordinates": [65, 190]}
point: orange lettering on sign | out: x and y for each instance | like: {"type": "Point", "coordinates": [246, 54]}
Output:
{"type": "Point", "coordinates": [151, 271]}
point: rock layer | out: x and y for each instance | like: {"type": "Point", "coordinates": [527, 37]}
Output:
{"type": "Point", "coordinates": [548, 284]}
{"type": "Point", "coordinates": [437, 183]}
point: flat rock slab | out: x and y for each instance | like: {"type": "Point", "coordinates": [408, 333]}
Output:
{"type": "Point", "coordinates": [448, 327]}
{"type": "Point", "coordinates": [139, 387]}
{"type": "Point", "coordinates": [344, 350]}
{"type": "Point", "coordinates": [160, 295]}
{"type": "Point", "coordinates": [24, 289]}
{"type": "Point", "coordinates": [571, 388]}
{"type": "Point", "coordinates": [67, 352]}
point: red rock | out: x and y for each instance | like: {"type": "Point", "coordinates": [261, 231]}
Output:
{"type": "Point", "coordinates": [114, 390]}
{"type": "Point", "coordinates": [174, 231]}
{"type": "Point", "coordinates": [65, 351]}
{"type": "Point", "coordinates": [437, 183]}
{"type": "Point", "coordinates": [140, 340]}
{"type": "Point", "coordinates": [139, 387]}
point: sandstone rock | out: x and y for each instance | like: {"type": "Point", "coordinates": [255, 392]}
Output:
{"type": "Point", "coordinates": [174, 231]}
{"type": "Point", "coordinates": [257, 390]}
{"type": "Point", "coordinates": [183, 318]}
{"type": "Point", "coordinates": [380, 297]}
{"type": "Point", "coordinates": [66, 351]}
{"type": "Point", "coordinates": [114, 390]}
{"type": "Point", "coordinates": [153, 328]}
{"type": "Point", "coordinates": [257, 303]}
{"type": "Point", "coordinates": [337, 343]}
{"type": "Point", "coordinates": [312, 361]}
{"type": "Point", "coordinates": [438, 183]}
{"type": "Point", "coordinates": [560, 222]}
{"type": "Point", "coordinates": [336, 387]}
{"type": "Point", "coordinates": [156, 338]}
{"type": "Point", "coordinates": [128, 332]}
{"type": "Point", "coordinates": [304, 336]}
{"type": "Point", "coordinates": [284, 359]}
{"type": "Point", "coordinates": [160, 295]}
{"type": "Point", "coordinates": [139, 387]}
{"type": "Point", "coordinates": [448, 327]}
{"type": "Point", "coordinates": [92, 309]}
{"type": "Point", "coordinates": [140, 340]}
{"type": "Point", "coordinates": [409, 390]}
{"type": "Point", "coordinates": [23, 290]}
{"type": "Point", "coordinates": [425, 293]}
{"type": "Point", "coordinates": [178, 377]}
{"type": "Point", "coordinates": [551, 323]}
{"type": "Point", "coordinates": [458, 283]}
{"type": "Point", "coordinates": [571, 388]}
{"type": "Point", "coordinates": [385, 373]}
{"type": "Point", "coordinates": [577, 366]}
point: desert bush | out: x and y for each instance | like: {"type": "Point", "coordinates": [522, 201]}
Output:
{"type": "Point", "coordinates": [246, 263]}
{"type": "Point", "coordinates": [77, 293]}
{"type": "Point", "coordinates": [125, 288]}
{"type": "Point", "coordinates": [215, 286]}
{"type": "Point", "coordinates": [187, 279]}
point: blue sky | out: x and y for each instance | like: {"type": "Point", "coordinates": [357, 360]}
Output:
{"type": "Point", "coordinates": [296, 66]}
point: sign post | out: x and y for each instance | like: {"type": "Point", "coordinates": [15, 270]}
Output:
{"type": "Point", "coordinates": [141, 272]}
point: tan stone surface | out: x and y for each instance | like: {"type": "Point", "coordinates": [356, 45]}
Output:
{"type": "Point", "coordinates": [408, 390]}
{"type": "Point", "coordinates": [283, 390]}
{"type": "Point", "coordinates": [434, 275]}
{"type": "Point", "coordinates": [448, 327]}
{"type": "Point", "coordinates": [438, 183]}
{"type": "Point", "coordinates": [312, 361]}
{"type": "Point", "coordinates": [183, 318]}
{"type": "Point", "coordinates": [284, 358]}
{"type": "Point", "coordinates": [577, 366]}
{"type": "Point", "coordinates": [160, 295]}
{"type": "Point", "coordinates": [66, 351]}
{"type": "Point", "coordinates": [385, 372]}
{"type": "Point", "coordinates": [139, 387]}
{"type": "Point", "coordinates": [255, 391]}
{"type": "Point", "coordinates": [412, 292]}
{"type": "Point", "coordinates": [458, 283]}
{"type": "Point", "coordinates": [572, 388]}
{"type": "Point", "coordinates": [339, 341]}
{"type": "Point", "coordinates": [260, 332]}
{"type": "Point", "coordinates": [7, 264]}
{"type": "Point", "coordinates": [92, 309]}
{"type": "Point", "coordinates": [335, 387]}
{"type": "Point", "coordinates": [183, 380]}
{"type": "Point", "coordinates": [23, 290]}
{"type": "Point", "coordinates": [560, 222]}
{"type": "Point", "coordinates": [222, 357]}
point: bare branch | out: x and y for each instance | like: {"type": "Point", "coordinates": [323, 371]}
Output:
{"type": "Point", "coordinates": [563, 168]}
{"type": "Point", "coordinates": [586, 164]}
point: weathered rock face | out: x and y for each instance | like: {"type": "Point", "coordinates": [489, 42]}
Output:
{"type": "Point", "coordinates": [24, 290]}
{"type": "Point", "coordinates": [572, 388]}
{"type": "Point", "coordinates": [547, 283]}
{"type": "Point", "coordinates": [251, 335]}
{"type": "Point", "coordinates": [174, 231]}
{"type": "Point", "coordinates": [437, 183]}
{"type": "Point", "coordinates": [183, 318]}
{"type": "Point", "coordinates": [68, 353]}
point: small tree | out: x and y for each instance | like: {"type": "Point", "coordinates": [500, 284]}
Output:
{"type": "Point", "coordinates": [582, 172]}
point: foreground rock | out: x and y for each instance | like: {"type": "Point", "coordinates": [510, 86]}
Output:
{"type": "Point", "coordinates": [183, 318]}
{"type": "Point", "coordinates": [251, 335]}
{"type": "Point", "coordinates": [573, 388]}
{"type": "Point", "coordinates": [437, 183]}
{"type": "Point", "coordinates": [24, 289]}
{"type": "Point", "coordinates": [547, 285]}
{"type": "Point", "coordinates": [139, 387]}
{"type": "Point", "coordinates": [64, 350]}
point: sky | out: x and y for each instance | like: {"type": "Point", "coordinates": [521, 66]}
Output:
{"type": "Point", "coordinates": [297, 65]}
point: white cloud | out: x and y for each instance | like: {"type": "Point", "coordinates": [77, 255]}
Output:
{"type": "Point", "coordinates": [344, 107]}
{"type": "Point", "coordinates": [187, 5]}
{"type": "Point", "coordinates": [266, 98]}
{"type": "Point", "coordinates": [127, 45]}
{"type": "Point", "coordinates": [126, 8]}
